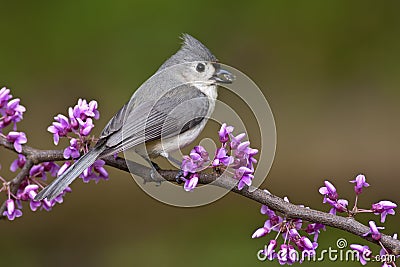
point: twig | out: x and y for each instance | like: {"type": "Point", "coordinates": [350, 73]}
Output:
{"type": "Point", "coordinates": [348, 224]}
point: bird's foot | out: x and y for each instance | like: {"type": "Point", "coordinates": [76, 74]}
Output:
{"type": "Point", "coordinates": [178, 177]}
{"type": "Point", "coordinates": [155, 166]}
{"type": "Point", "coordinates": [154, 175]}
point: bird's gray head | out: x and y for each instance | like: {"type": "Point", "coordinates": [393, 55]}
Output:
{"type": "Point", "coordinates": [194, 62]}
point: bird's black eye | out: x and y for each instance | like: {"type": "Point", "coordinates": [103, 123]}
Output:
{"type": "Point", "coordinates": [200, 67]}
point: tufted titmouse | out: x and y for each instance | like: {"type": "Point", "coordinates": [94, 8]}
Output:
{"type": "Point", "coordinates": [165, 114]}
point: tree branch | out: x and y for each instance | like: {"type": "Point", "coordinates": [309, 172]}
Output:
{"type": "Point", "coordinates": [289, 210]}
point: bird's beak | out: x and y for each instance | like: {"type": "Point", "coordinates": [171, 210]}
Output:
{"type": "Point", "coordinates": [223, 76]}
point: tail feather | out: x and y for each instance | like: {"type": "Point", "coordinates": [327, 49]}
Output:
{"type": "Point", "coordinates": [60, 183]}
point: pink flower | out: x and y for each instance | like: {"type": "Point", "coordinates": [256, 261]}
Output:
{"type": "Point", "coordinates": [360, 183]}
{"type": "Point", "coordinates": [18, 138]}
{"type": "Point", "coordinates": [11, 211]}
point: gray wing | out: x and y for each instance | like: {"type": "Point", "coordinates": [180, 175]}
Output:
{"type": "Point", "coordinates": [177, 111]}
{"type": "Point", "coordinates": [116, 122]}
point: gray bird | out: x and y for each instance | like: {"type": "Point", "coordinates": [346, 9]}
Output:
{"type": "Point", "coordinates": [166, 113]}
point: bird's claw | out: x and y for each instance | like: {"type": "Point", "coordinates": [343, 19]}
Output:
{"type": "Point", "coordinates": [178, 176]}
{"type": "Point", "coordinates": [154, 175]}
{"type": "Point", "coordinates": [155, 166]}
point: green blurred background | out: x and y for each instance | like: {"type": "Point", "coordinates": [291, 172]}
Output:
{"type": "Point", "coordinates": [329, 69]}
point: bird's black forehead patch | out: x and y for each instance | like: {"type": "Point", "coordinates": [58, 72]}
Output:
{"type": "Point", "coordinates": [216, 65]}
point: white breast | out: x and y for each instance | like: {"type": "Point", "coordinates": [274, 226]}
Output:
{"type": "Point", "coordinates": [210, 90]}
